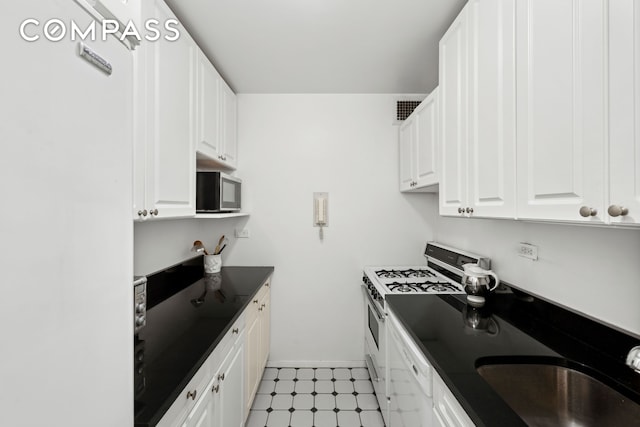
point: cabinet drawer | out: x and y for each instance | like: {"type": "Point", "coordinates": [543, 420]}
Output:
{"type": "Point", "coordinates": [447, 410]}
{"type": "Point", "coordinates": [226, 343]}
{"type": "Point", "coordinates": [187, 399]}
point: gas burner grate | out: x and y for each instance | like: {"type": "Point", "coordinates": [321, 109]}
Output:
{"type": "Point", "coordinates": [408, 273]}
{"type": "Point", "coordinates": [424, 288]}
{"type": "Point", "coordinates": [440, 287]}
{"type": "Point", "coordinates": [403, 288]}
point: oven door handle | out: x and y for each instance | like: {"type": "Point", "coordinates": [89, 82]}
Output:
{"type": "Point", "coordinates": [373, 305]}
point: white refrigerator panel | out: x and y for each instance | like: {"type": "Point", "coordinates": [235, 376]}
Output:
{"type": "Point", "coordinates": [67, 236]}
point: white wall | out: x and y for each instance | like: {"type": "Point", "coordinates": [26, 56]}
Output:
{"type": "Point", "coordinates": [291, 146]}
{"type": "Point", "coordinates": [592, 270]}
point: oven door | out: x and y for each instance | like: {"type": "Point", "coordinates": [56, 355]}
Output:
{"type": "Point", "coordinates": [375, 349]}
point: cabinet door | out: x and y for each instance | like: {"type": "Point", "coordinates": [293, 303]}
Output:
{"type": "Point", "coordinates": [492, 91]}
{"type": "Point", "coordinates": [561, 84]}
{"type": "Point", "coordinates": [208, 108]}
{"type": "Point", "coordinates": [426, 146]}
{"type": "Point", "coordinates": [447, 411]}
{"type": "Point", "coordinates": [203, 414]}
{"type": "Point", "coordinates": [230, 403]}
{"type": "Point", "coordinates": [265, 328]}
{"type": "Point", "coordinates": [406, 148]}
{"type": "Point", "coordinates": [170, 136]}
{"type": "Point", "coordinates": [230, 120]}
{"type": "Point", "coordinates": [624, 114]}
{"type": "Point", "coordinates": [453, 117]}
{"type": "Point", "coordinates": [252, 354]}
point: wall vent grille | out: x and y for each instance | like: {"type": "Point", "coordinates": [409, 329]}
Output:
{"type": "Point", "coordinates": [404, 108]}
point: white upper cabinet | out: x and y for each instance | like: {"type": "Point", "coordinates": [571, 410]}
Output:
{"type": "Point", "coordinates": [477, 107]}
{"type": "Point", "coordinates": [165, 116]}
{"type": "Point", "coordinates": [216, 118]}
{"type": "Point", "coordinates": [419, 147]}
{"type": "Point", "coordinates": [453, 116]}
{"type": "Point", "coordinates": [562, 86]}
{"type": "Point", "coordinates": [624, 114]}
{"type": "Point", "coordinates": [208, 93]}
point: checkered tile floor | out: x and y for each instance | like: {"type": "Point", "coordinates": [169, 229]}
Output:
{"type": "Point", "coordinates": [315, 397]}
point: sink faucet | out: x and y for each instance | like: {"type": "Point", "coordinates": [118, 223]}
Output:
{"type": "Point", "coordinates": [633, 359]}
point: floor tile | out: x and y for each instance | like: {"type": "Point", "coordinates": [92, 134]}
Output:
{"type": "Point", "coordinates": [342, 374]}
{"type": "Point", "coordinates": [325, 419]}
{"type": "Point", "coordinates": [261, 402]}
{"type": "Point", "coordinates": [367, 401]}
{"type": "Point", "coordinates": [363, 386]}
{"type": "Point", "coordinates": [325, 402]}
{"type": "Point", "coordinates": [266, 387]}
{"type": "Point", "coordinates": [349, 419]}
{"type": "Point", "coordinates": [282, 402]}
{"type": "Point", "coordinates": [371, 419]}
{"type": "Point", "coordinates": [324, 374]}
{"type": "Point", "coordinates": [278, 419]}
{"type": "Point", "coordinates": [286, 374]}
{"type": "Point", "coordinates": [342, 386]}
{"type": "Point", "coordinates": [304, 386]}
{"type": "Point", "coordinates": [257, 419]}
{"type": "Point", "coordinates": [305, 374]}
{"type": "Point", "coordinates": [346, 402]}
{"type": "Point", "coordinates": [270, 374]}
{"type": "Point", "coordinates": [285, 386]}
{"type": "Point", "coordinates": [360, 373]}
{"type": "Point", "coordinates": [301, 419]}
{"type": "Point", "coordinates": [324, 387]}
{"type": "Point", "coordinates": [303, 401]}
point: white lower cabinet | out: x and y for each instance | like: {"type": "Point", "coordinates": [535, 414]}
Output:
{"type": "Point", "coordinates": [447, 411]}
{"type": "Point", "coordinates": [257, 342]}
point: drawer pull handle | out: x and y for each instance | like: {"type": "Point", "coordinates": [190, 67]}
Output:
{"type": "Point", "coordinates": [192, 394]}
{"type": "Point", "coordinates": [235, 331]}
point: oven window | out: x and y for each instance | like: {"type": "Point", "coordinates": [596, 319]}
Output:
{"type": "Point", "coordinates": [373, 326]}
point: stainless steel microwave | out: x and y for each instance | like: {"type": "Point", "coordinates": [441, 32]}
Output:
{"type": "Point", "coordinates": [217, 192]}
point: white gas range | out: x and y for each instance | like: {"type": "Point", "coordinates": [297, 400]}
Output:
{"type": "Point", "coordinates": [441, 275]}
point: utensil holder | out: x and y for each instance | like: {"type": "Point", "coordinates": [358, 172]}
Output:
{"type": "Point", "coordinates": [212, 263]}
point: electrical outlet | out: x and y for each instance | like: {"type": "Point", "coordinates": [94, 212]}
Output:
{"type": "Point", "coordinates": [242, 233]}
{"type": "Point", "coordinates": [527, 250]}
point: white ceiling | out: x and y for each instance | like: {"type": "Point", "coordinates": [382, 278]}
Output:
{"type": "Point", "coordinates": [321, 46]}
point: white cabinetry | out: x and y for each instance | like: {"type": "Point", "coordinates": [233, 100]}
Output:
{"type": "Point", "coordinates": [419, 147]}
{"type": "Point", "coordinates": [164, 179]}
{"type": "Point", "coordinates": [216, 118]}
{"type": "Point", "coordinates": [562, 86]}
{"type": "Point", "coordinates": [257, 342]}
{"type": "Point", "coordinates": [447, 411]}
{"type": "Point", "coordinates": [477, 111]}
{"type": "Point", "coordinates": [624, 113]}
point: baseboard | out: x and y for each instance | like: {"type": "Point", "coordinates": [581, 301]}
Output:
{"type": "Point", "coordinates": [316, 364]}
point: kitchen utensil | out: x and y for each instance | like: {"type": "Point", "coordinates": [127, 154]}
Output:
{"type": "Point", "coordinates": [477, 283]}
{"type": "Point", "coordinates": [222, 249]}
{"type": "Point", "coordinates": [199, 247]}
{"type": "Point", "coordinates": [216, 251]}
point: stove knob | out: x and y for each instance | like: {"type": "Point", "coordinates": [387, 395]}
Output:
{"type": "Point", "coordinates": [140, 308]}
{"type": "Point", "coordinates": [139, 321]}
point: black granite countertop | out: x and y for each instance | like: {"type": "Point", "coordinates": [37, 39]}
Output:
{"type": "Point", "coordinates": [512, 329]}
{"type": "Point", "coordinates": [188, 314]}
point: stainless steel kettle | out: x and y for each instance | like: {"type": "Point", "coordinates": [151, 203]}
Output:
{"type": "Point", "coordinates": [477, 283]}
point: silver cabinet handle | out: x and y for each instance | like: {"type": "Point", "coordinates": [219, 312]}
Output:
{"type": "Point", "coordinates": [215, 388]}
{"type": "Point", "coordinates": [221, 377]}
{"type": "Point", "coordinates": [255, 301]}
{"type": "Point", "coordinates": [263, 305]}
{"type": "Point", "coordinates": [616, 210]}
{"type": "Point", "coordinates": [142, 213]}
{"type": "Point", "coordinates": [235, 331]}
{"type": "Point", "coordinates": [469, 210]}
{"type": "Point", "coordinates": [460, 210]}
{"type": "Point", "coordinates": [192, 394]}
{"type": "Point", "coordinates": [586, 211]}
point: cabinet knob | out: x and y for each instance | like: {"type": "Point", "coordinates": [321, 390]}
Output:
{"type": "Point", "coordinates": [255, 301]}
{"type": "Point", "coordinates": [221, 377]}
{"type": "Point", "coordinates": [586, 211]}
{"type": "Point", "coordinates": [260, 309]}
{"type": "Point", "coordinates": [469, 210]}
{"type": "Point", "coordinates": [192, 394]}
{"type": "Point", "coordinates": [616, 210]}
{"type": "Point", "coordinates": [215, 388]}
{"type": "Point", "coordinates": [153, 212]}
{"type": "Point", "coordinates": [235, 331]}
{"type": "Point", "coordinates": [460, 210]}
{"type": "Point", "coordinates": [142, 213]}
{"type": "Point", "coordinates": [263, 305]}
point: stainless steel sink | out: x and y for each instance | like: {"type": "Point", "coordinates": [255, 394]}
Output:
{"type": "Point", "coordinates": [551, 395]}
